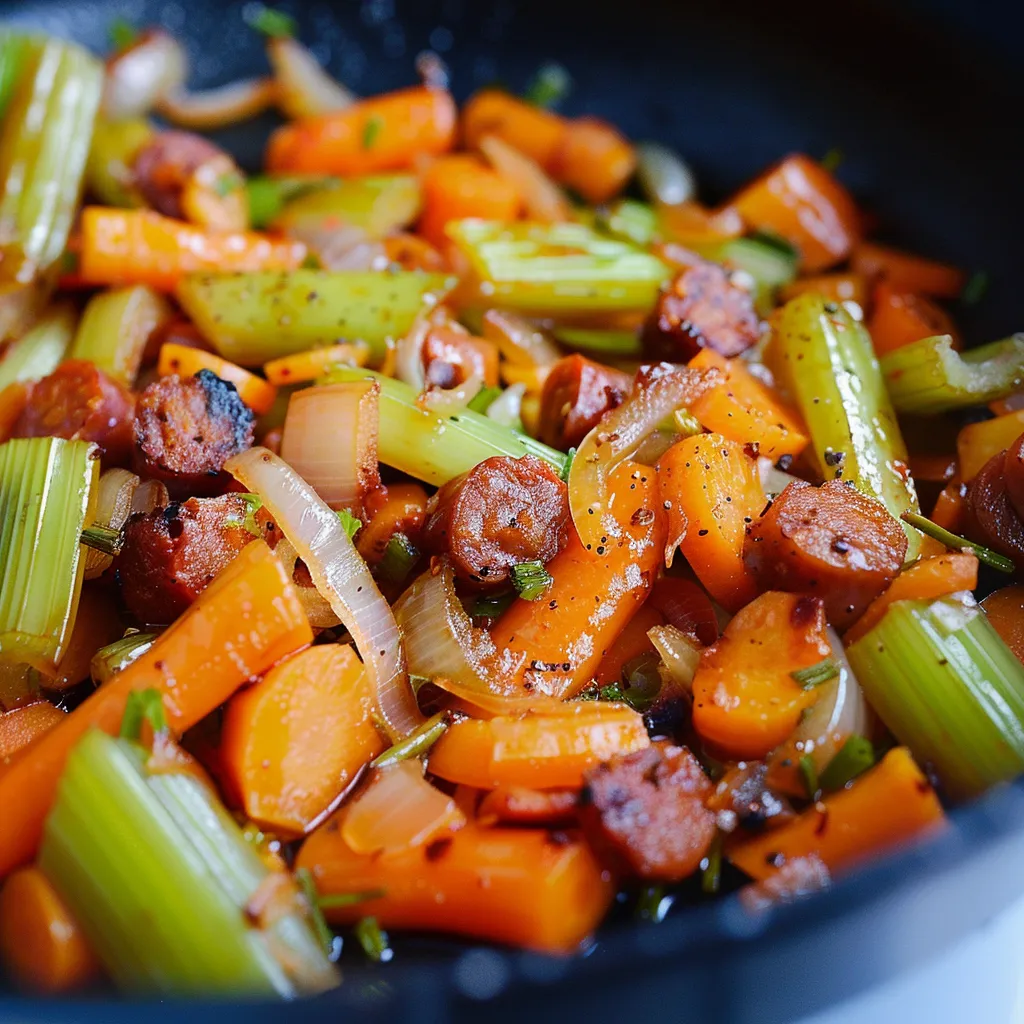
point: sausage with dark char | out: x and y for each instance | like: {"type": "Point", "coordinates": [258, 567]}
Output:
{"type": "Point", "coordinates": [577, 393]}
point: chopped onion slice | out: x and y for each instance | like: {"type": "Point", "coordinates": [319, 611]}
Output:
{"type": "Point", "coordinates": [773, 480]}
{"type": "Point", "coordinates": [318, 611]}
{"type": "Point", "coordinates": [341, 576]}
{"type": "Point", "coordinates": [543, 200]}
{"type": "Point", "coordinates": [409, 353]}
{"type": "Point", "coordinates": [340, 246]}
{"type": "Point", "coordinates": [304, 88]}
{"type": "Point", "coordinates": [680, 656]}
{"type": "Point", "coordinates": [485, 704]}
{"type": "Point", "coordinates": [519, 341]}
{"type": "Point", "coordinates": [150, 495]}
{"type": "Point", "coordinates": [507, 408]}
{"type": "Point", "coordinates": [449, 401]}
{"type": "Point", "coordinates": [115, 493]}
{"type": "Point", "coordinates": [220, 106]}
{"type": "Point", "coordinates": [658, 392]}
{"type": "Point", "coordinates": [664, 175]}
{"type": "Point", "coordinates": [154, 67]}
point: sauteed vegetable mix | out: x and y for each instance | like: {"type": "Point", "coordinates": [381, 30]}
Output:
{"type": "Point", "coordinates": [454, 526]}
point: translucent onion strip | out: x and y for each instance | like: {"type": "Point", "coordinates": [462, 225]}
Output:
{"type": "Point", "coordinates": [680, 656]}
{"type": "Point", "coordinates": [304, 88]}
{"type": "Point", "coordinates": [519, 341]}
{"type": "Point", "coordinates": [220, 106]}
{"type": "Point", "coordinates": [154, 67]}
{"type": "Point", "coordinates": [114, 496]}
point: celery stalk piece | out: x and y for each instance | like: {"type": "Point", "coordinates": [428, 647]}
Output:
{"type": "Point", "coordinates": [47, 494]}
{"type": "Point", "coordinates": [39, 351]}
{"type": "Point", "coordinates": [115, 327]}
{"type": "Point", "coordinates": [558, 268]}
{"type": "Point", "coordinates": [929, 376]}
{"type": "Point", "coordinates": [619, 344]}
{"type": "Point", "coordinates": [269, 193]}
{"type": "Point", "coordinates": [44, 142]}
{"type": "Point", "coordinates": [13, 51]}
{"type": "Point", "coordinates": [108, 170]}
{"type": "Point", "coordinates": [947, 686]}
{"type": "Point", "coordinates": [252, 318]}
{"type": "Point", "coordinates": [825, 359]}
{"type": "Point", "coordinates": [631, 221]}
{"type": "Point", "coordinates": [160, 876]}
{"type": "Point", "coordinates": [435, 448]}
{"type": "Point", "coordinates": [114, 657]}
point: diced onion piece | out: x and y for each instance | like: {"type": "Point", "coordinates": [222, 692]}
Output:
{"type": "Point", "coordinates": [409, 353]}
{"type": "Point", "coordinates": [773, 480]}
{"type": "Point", "coordinates": [399, 809]}
{"type": "Point", "coordinates": [114, 497]}
{"type": "Point", "coordinates": [142, 75]}
{"type": "Point", "coordinates": [518, 340]}
{"type": "Point", "coordinates": [680, 656]}
{"type": "Point", "coordinates": [664, 175]}
{"type": "Point", "coordinates": [659, 391]}
{"type": "Point", "coordinates": [220, 106]}
{"type": "Point", "coordinates": [543, 200]}
{"type": "Point", "coordinates": [148, 496]}
{"type": "Point", "coordinates": [341, 576]}
{"type": "Point", "coordinates": [340, 246]}
{"type": "Point", "coordinates": [314, 604]}
{"type": "Point", "coordinates": [304, 89]}
{"type": "Point", "coordinates": [486, 704]}
{"type": "Point", "coordinates": [507, 408]}
{"type": "Point", "coordinates": [449, 401]}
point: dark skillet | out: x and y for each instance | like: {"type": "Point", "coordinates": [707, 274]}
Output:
{"type": "Point", "coordinates": [914, 95]}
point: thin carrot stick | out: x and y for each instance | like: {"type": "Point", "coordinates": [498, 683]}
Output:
{"type": "Point", "coordinates": [185, 361]}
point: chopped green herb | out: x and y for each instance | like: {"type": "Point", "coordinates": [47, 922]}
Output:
{"type": "Point", "coordinates": [974, 291]}
{"type": "Point", "coordinates": [815, 675]}
{"type": "Point", "coordinates": [253, 503]}
{"type": "Point", "coordinates": [122, 34]}
{"type": "Point", "coordinates": [101, 538]}
{"type": "Point", "coordinates": [957, 543]}
{"type": "Point", "coordinates": [832, 159]}
{"type": "Point", "coordinates": [492, 606]}
{"type": "Point", "coordinates": [371, 130]}
{"type": "Point", "coordinates": [373, 940]}
{"type": "Point", "coordinates": [228, 183]}
{"type": "Point", "coordinates": [569, 456]}
{"type": "Point", "coordinates": [337, 900]}
{"type": "Point", "coordinates": [316, 918]}
{"type": "Point", "coordinates": [349, 521]}
{"type": "Point", "coordinates": [531, 579]}
{"type": "Point", "coordinates": [483, 399]}
{"type": "Point", "coordinates": [653, 905]}
{"type": "Point", "coordinates": [809, 773]}
{"type": "Point", "coordinates": [612, 692]}
{"type": "Point", "coordinates": [853, 758]}
{"type": "Point", "coordinates": [142, 706]}
{"type": "Point", "coordinates": [549, 86]}
{"type": "Point", "coordinates": [416, 743]}
{"type": "Point", "coordinates": [399, 558]}
{"type": "Point", "coordinates": [711, 878]}
{"type": "Point", "coordinates": [641, 681]}
{"type": "Point", "coordinates": [273, 23]}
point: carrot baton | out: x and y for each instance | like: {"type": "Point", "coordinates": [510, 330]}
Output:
{"type": "Point", "coordinates": [257, 393]}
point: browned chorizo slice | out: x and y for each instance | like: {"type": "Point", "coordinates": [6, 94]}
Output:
{"type": "Point", "coordinates": [577, 393]}
{"type": "Point", "coordinates": [164, 166]}
{"type": "Point", "coordinates": [991, 518]}
{"type": "Point", "coordinates": [802, 876]}
{"type": "Point", "coordinates": [502, 512]}
{"type": "Point", "coordinates": [645, 812]}
{"type": "Point", "coordinates": [171, 555]}
{"type": "Point", "coordinates": [81, 403]}
{"type": "Point", "coordinates": [518, 805]}
{"type": "Point", "coordinates": [702, 308]}
{"type": "Point", "coordinates": [831, 541]}
{"type": "Point", "coordinates": [1013, 470]}
{"type": "Point", "coordinates": [186, 428]}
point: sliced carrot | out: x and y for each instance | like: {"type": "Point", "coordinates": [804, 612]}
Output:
{"type": "Point", "coordinates": [540, 751]}
{"type": "Point", "coordinates": [254, 614]}
{"type": "Point", "coordinates": [907, 272]}
{"type": "Point", "coordinates": [1005, 610]}
{"type": "Point", "coordinates": [307, 366]}
{"type": "Point", "coordinates": [562, 638]}
{"type": "Point", "coordinates": [542, 199]}
{"type": "Point", "coordinates": [594, 159]}
{"type": "Point", "coordinates": [924, 580]}
{"type": "Point", "coordinates": [744, 409]}
{"type": "Point", "coordinates": [400, 508]}
{"type": "Point", "coordinates": [295, 740]}
{"type": "Point", "coordinates": [382, 133]}
{"type": "Point", "coordinates": [41, 945]}
{"type": "Point", "coordinates": [519, 805]}
{"type": "Point", "coordinates": [23, 725]}
{"type": "Point", "coordinates": [475, 355]}
{"type": "Point", "coordinates": [631, 643]}
{"type": "Point", "coordinates": [460, 186]}
{"type": "Point", "coordinates": [13, 400]}
{"type": "Point", "coordinates": [185, 361]}
{"type": "Point", "coordinates": [844, 287]}
{"type": "Point", "coordinates": [509, 885]}
{"type": "Point", "coordinates": [890, 804]}
{"type": "Point", "coordinates": [143, 247]}
{"type": "Point", "coordinates": [536, 132]}
{"type": "Point", "coordinates": [712, 483]}
{"type": "Point", "coordinates": [410, 252]}
{"type": "Point", "coordinates": [951, 507]}
{"type": "Point", "coordinates": [799, 200]}
{"type": "Point", "coordinates": [690, 224]}
{"type": "Point", "coordinates": [978, 442]}
{"type": "Point", "coordinates": [899, 318]}
{"type": "Point", "coordinates": [745, 700]}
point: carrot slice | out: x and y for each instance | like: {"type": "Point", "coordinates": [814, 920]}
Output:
{"type": "Point", "coordinates": [890, 804]}
{"type": "Point", "coordinates": [899, 318]}
{"type": "Point", "coordinates": [383, 133]}
{"type": "Point", "coordinates": [745, 700]}
{"type": "Point", "coordinates": [743, 409]}
{"type": "Point", "coordinates": [907, 272]}
{"type": "Point", "coordinates": [254, 614]}
{"type": "Point", "coordinates": [306, 366]}
{"type": "Point", "coordinates": [185, 361]}
{"type": "Point", "coordinates": [142, 247]}
{"type": "Point", "coordinates": [13, 400]}
{"type": "Point", "coordinates": [536, 132]}
{"type": "Point", "coordinates": [950, 507]}
{"type": "Point", "coordinates": [978, 442]}
{"type": "Point", "coordinates": [540, 751]}
{"type": "Point", "coordinates": [23, 725]}
{"type": "Point", "coordinates": [845, 287]}
{"type": "Point", "coordinates": [690, 224]}
{"type": "Point", "coordinates": [1005, 610]}
{"type": "Point", "coordinates": [924, 580]}
{"type": "Point", "coordinates": [594, 159]}
{"type": "Point", "coordinates": [294, 741]}
{"type": "Point", "coordinates": [713, 486]}
{"type": "Point", "coordinates": [41, 945]}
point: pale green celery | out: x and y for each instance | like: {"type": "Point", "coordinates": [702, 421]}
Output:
{"type": "Point", "coordinates": [159, 876]}
{"type": "Point", "coordinates": [108, 170]}
{"type": "Point", "coordinates": [631, 220]}
{"type": "Point", "coordinates": [378, 205]}
{"type": "Point", "coordinates": [436, 448]}
{"type": "Point", "coordinates": [13, 50]}
{"type": "Point", "coordinates": [252, 318]}
{"type": "Point", "coordinates": [39, 351]}
{"type": "Point", "coordinates": [558, 268]}
{"type": "Point", "coordinates": [114, 657]}
{"type": "Point", "coordinates": [947, 686]}
{"type": "Point", "coordinates": [44, 142]}
{"type": "Point", "coordinates": [930, 376]}
{"type": "Point", "coordinates": [268, 194]}
{"type": "Point", "coordinates": [622, 344]}
{"type": "Point", "coordinates": [770, 264]}
{"type": "Point", "coordinates": [115, 327]}
{"type": "Point", "coordinates": [47, 495]}
{"type": "Point", "coordinates": [825, 360]}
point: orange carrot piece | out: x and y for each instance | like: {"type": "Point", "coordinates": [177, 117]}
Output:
{"type": "Point", "coordinates": [594, 159]}
{"type": "Point", "coordinates": [23, 725]}
{"type": "Point", "coordinates": [978, 442]}
{"type": "Point", "coordinates": [41, 945]}
{"type": "Point", "coordinates": [907, 272]}
{"type": "Point", "coordinates": [629, 644]}
{"type": "Point", "coordinates": [690, 224]}
{"type": "Point", "coordinates": [460, 186]}
{"type": "Point", "coordinates": [890, 804]}
{"type": "Point", "coordinates": [542, 199]}
{"type": "Point", "coordinates": [382, 133]}
{"type": "Point", "coordinates": [924, 580]}
{"type": "Point", "coordinates": [540, 751]}
{"type": "Point", "coordinates": [950, 507]}
{"type": "Point", "coordinates": [533, 131]}
{"type": "Point", "coordinates": [400, 508]}
{"type": "Point", "coordinates": [248, 619]}
{"type": "Point", "coordinates": [13, 400]}
{"type": "Point", "coordinates": [1005, 610]}
{"type": "Point", "coordinates": [143, 247]}
{"type": "Point", "coordinates": [745, 701]}
{"type": "Point", "coordinates": [519, 805]}
{"type": "Point", "coordinates": [799, 200]}
{"type": "Point", "coordinates": [844, 287]}
{"type": "Point", "coordinates": [506, 885]}
{"type": "Point", "coordinates": [562, 638]}
{"type": "Point", "coordinates": [185, 361]}
{"type": "Point", "coordinates": [743, 409]}
{"type": "Point", "coordinates": [899, 318]}
{"type": "Point", "coordinates": [294, 741]}
{"type": "Point", "coordinates": [306, 366]}
{"type": "Point", "coordinates": [713, 484]}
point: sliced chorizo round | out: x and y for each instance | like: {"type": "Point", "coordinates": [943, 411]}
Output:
{"type": "Point", "coordinates": [164, 165]}
{"type": "Point", "coordinates": [577, 393]}
{"type": "Point", "coordinates": [992, 519]}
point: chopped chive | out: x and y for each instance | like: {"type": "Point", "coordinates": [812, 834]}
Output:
{"type": "Point", "coordinates": [350, 522]}
{"type": "Point", "coordinates": [371, 130]}
{"type": "Point", "coordinates": [100, 538]}
{"type": "Point", "coordinates": [531, 579]}
{"type": "Point", "coordinates": [549, 86]}
{"type": "Point", "coordinates": [975, 289]}
{"type": "Point", "coordinates": [815, 675]}
{"type": "Point", "coordinates": [227, 183]}
{"type": "Point", "coordinates": [853, 758]}
{"type": "Point", "coordinates": [399, 557]}
{"type": "Point", "coordinates": [642, 681]}
{"type": "Point", "coordinates": [374, 941]}
{"type": "Point", "coordinates": [272, 23]}
{"type": "Point", "coordinates": [956, 543]}
{"type": "Point", "coordinates": [653, 905]}
{"type": "Point", "coordinates": [492, 606]}
{"type": "Point", "coordinates": [416, 743]}
{"type": "Point", "coordinates": [142, 706]}
{"type": "Point", "coordinates": [337, 900]}
{"type": "Point", "coordinates": [483, 399]}
{"type": "Point", "coordinates": [316, 917]}
{"type": "Point", "coordinates": [122, 34]}
{"type": "Point", "coordinates": [569, 456]}
{"type": "Point", "coordinates": [832, 160]}
{"type": "Point", "coordinates": [809, 773]}
{"type": "Point", "coordinates": [711, 878]}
